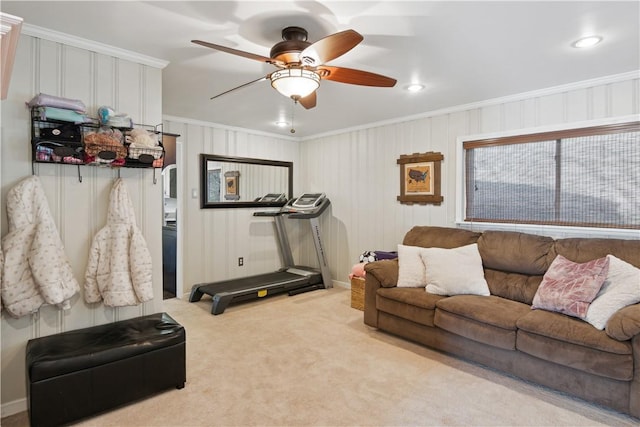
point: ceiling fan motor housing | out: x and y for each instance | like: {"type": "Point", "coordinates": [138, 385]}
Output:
{"type": "Point", "coordinates": [294, 41]}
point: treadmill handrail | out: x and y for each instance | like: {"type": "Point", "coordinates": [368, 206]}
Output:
{"type": "Point", "coordinates": [267, 213]}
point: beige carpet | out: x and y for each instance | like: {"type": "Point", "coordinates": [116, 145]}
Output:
{"type": "Point", "coordinates": [308, 360]}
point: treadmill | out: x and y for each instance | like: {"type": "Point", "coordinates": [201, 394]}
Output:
{"type": "Point", "coordinates": [291, 278]}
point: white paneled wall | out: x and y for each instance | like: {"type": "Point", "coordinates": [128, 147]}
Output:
{"type": "Point", "coordinates": [213, 239]}
{"type": "Point", "coordinates": [79, 208]}
{"type": "Point", "coordinates": [358, 170]}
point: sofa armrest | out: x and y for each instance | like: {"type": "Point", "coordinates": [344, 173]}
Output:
{"type": "Point", "coordinates": [380, 274]}
{"type": "Point", "coordinates": [625, 323]}
{"type": "Point", "coordinates": [384, 271]}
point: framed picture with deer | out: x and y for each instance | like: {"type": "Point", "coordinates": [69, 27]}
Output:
{"type": "Point", "coordinates": [420, 178]}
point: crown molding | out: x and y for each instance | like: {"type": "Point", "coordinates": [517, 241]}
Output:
{"type": "Point", "coordinates": [93, 46]}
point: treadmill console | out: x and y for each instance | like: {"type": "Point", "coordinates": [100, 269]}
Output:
{"type": "Point", "coordinates": [308, 201]}
{"type": "Point", "coordinates": [308, 205]}
{"type": "Point", "coordinates": [273, 197]}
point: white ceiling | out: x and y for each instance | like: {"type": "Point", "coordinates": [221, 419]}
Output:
{"type": "Point", "coordinates": [463, 52]}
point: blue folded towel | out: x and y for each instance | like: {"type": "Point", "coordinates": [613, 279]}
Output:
{"type": "Point", "coordinates": [52, 113]}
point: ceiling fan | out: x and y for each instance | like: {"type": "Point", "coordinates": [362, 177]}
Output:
{"type": "Point", "coordinates": [301, 64]}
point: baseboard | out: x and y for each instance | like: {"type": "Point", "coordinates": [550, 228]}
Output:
{"type": "Point", "coordinates": [342, 284]}
{"type": "Point", "coordinates": [12, 408]}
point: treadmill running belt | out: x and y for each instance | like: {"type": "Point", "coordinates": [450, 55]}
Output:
{"type": "Point", "coordinates": [251, 287]}
{"type": "Point", "coordinates": [260, 280]}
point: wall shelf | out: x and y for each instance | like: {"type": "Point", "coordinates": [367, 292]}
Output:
{"type": "Point", "coordinates": [91, 144]}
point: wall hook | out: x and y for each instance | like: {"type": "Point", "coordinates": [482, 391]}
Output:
{"type": "Point", "coordinates": [154, 176]}
{"type": "Point", "coordinates": [79, 176]}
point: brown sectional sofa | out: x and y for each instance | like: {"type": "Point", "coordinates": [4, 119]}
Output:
{"type": "Point", "coordinates": [501, 330]}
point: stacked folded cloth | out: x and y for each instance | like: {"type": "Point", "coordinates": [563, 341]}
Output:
{"type": "Point", "coordinates": [50, 107]}
{"type": "Point", "coordinates": [369, 256]}
{"type": "Point", "coordinates": [60, 142]}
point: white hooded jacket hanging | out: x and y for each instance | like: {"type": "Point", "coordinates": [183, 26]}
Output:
{"type": "Point", "coordinates": [119, 270]}
{"type": "Point", "coordinates": [36, 269]}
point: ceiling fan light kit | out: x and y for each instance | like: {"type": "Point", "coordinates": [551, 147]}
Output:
{"type": "Point", "coordinates": [295, 82]}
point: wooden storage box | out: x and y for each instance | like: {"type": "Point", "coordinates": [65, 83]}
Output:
{"type": "Point", "coordinates": [357, 293]}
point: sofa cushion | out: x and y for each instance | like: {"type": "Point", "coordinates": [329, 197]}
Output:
{"type": "Point", "coordinates": [574, 343]}
{"type": "Point", "coordinates": [516, 252]}
{"type": "Point", "coordinates": [586, 249]}
{"type": "Point", "coordinates": [620, 289]}
{"type": "Point", "coordinates": [454, 271]}
{"type": "Point", "coordinates": [569, 287]}
{"type": "Point", "coordinates": [411, 271]}
{"type": "Point", "coordinates": [487, 319]}
{"type": "Point", "coordinates": [513, 286]}
{"type": "Point", "coordinates": [409, 303]}
{"type": "Point", "coordinates": [439, 237]}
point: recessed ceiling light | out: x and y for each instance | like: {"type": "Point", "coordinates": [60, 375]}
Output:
{"type": "Point", "coordinates": [414, 87]}
{"type": "Point", "coordinates": [587, 41]}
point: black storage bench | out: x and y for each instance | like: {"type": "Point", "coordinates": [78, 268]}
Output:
{"type": "Point", "coordinates": [79, 373]}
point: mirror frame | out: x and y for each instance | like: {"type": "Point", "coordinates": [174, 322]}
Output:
{"type": "Point", "coordinates": [205, 204]}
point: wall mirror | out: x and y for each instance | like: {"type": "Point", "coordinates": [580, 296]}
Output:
{"type": "Point", "coordinates": [240, 182]}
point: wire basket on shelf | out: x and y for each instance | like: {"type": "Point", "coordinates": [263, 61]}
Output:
{"type": "Point", "coordinates": [103, 148]}
{"type": "Point", "coordinates": [137, 152]}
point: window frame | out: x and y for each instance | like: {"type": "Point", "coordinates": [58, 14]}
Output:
{"type": "Point", "coordinates": [524, 135]}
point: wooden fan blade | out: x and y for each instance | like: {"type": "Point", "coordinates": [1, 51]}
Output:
{"type": "Point", "coordinates": [308, 101]}
{"type": "Point", "coordinates": [355, 77]}
{"type": "Point", "coordinates": [242, 53]}
{"type": "Point", "coordinates": [241, 86]}
{"type": "Point", "coordinates": [330, 47]}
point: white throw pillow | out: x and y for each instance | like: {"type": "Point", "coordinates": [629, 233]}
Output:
{"type": "Point", "coordinates": [454, 271]}
{"type": "Point", "coordinates": [410, 267]}
{"type": "Point", "coordinates": [620, 289]}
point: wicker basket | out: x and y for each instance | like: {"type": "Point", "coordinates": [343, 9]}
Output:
{"type": "Point", "coordinates": [357, 293]}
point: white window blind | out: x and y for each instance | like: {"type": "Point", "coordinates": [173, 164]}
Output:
{"type": "Point", "coordinates": [587, 177]}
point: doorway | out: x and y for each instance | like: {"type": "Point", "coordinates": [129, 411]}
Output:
{"type": "Point", "coordinates": [169, 217]}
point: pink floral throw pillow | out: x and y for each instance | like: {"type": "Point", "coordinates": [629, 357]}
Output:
{"type": "Point", "coordinates": [568, 287]}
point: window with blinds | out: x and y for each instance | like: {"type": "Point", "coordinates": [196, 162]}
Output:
{"type": "Point", "coordinates": [588, 177]}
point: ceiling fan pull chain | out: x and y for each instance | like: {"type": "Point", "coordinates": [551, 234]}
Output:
{"type": "Point", "coordinates": [293, 107]}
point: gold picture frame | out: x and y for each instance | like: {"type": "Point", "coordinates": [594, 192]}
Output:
{"type": "Point", "coordinates": [420, 178]}
{"type": "Point", "coordinates": [231, 190]}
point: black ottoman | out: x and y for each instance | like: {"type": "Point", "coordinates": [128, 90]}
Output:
{"type": "Point", "coordinates": [79, 373]}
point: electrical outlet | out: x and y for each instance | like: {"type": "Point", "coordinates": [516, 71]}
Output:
{"type": "Point", "coordinates": [240, 261]}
